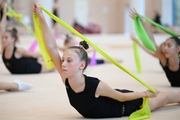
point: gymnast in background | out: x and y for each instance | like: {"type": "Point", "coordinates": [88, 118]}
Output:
{"type": "Point", "coordinates": [167, 53]}
{"type": "Point", "coordinates": [18, 60]}
{"type": "Point", "coordinates": [69, 41]}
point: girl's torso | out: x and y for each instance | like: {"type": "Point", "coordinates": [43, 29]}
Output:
{"type": "Point", "coordinates": [20, 65]}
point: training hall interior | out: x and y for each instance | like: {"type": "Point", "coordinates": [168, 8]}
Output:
{"type": "Point", "coordinates": [107, 24]}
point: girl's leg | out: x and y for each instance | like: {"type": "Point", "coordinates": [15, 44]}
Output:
{"type": "Point", "coordinates": [8, 86]}
{"type": "Point", "coordinates": [163, 99]}
{"type": "Point", "coordinates": [14, 86]}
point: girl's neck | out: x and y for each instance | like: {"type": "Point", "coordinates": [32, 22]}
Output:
{"type": "Point", "coordinates": [9, 48]}
{"type": "Point", "coordinates": [173, 63]}
{"type": "Point", "coordinates": [77, 82]}
{"type": "Point", "coordinates": [78, 78]}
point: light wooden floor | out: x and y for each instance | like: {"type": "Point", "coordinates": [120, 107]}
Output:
{"type": "Point", "coordinates": [48, 100]}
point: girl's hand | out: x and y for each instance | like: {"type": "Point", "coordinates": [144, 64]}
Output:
{"type": "Point", "coordinates": [133, 38]}
{"type": "Point", "coordinates": [4, 5]}
{"type": "Point", "coordinates": [36, 8]}
{"type": "Point", "coordinates": [133, 12]}
{"type": "Point", "coordinates": [150, 93]}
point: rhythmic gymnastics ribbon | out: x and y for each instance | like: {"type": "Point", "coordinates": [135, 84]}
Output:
{"type": "Point", "coordinates": [39, 36]}
{"type": "Point", "coordinates": [143, 113]}
{"type": "Point", "coordinates": [142, 34]}
{"type": "Point", "coordinates": [136, 56]}
{"type": "Point", "coordinates": [161, 27]}
{"type": "Point", "coordinates": [12, 13]}
{"type": "Point", "coordinates": [58, 20]}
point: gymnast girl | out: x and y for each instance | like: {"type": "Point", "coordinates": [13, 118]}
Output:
{"type": "Point", "coordinates": [18, 60]}
{"type": "Point", "coordinates": [91, 97]}
{"type": "Point", "coordinates": [69, 41]}
{"type": "Point", "coordinates": [168, 55]}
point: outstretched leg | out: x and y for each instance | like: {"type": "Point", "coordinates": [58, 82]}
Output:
{"type": "Point", "coordinates": [15, 85]}
{"type": "Point", "coordinates": [163, 99]}
{"type": "Point", "coordinates": [8, 86]}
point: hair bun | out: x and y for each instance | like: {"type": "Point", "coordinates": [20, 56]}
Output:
{"type": "Point", "coordinates": [84, 44]}
{"type": "Point", "coordinates": [67, 36]}
{"type": "Point", "coordinates": [14, 30]}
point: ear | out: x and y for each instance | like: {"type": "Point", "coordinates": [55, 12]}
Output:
{"type": "Point", "coordinates": [13, 40]}
{"type": "Point", "coordinates": [178, 48]}
{"type": "Point", "coordinates": [82, 65]}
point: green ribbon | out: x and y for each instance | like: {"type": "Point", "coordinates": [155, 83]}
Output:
{"type": "Point", "coordinates": [161, 27]}
{"type": "Point", "coordinates": [142, 34]}
{"type": "Point", "coordinates": [143, 113]}
{"type": "Point", "coordinates": [136, 56]}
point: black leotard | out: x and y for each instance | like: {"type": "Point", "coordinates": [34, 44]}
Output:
{"type": "Point", "coordinates": [173, 76]}
{"type": "Point", "coordinates": [22, 65]}
{"type": "Point", "coordinates": [89, 106]}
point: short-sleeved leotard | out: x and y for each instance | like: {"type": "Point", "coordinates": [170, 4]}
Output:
{"type": "Point", "coordinates": [89, 106]}
{"type": "Point", "coordinates": [173, 76]}
{"type": "Point", "coordinates": [23, 65]}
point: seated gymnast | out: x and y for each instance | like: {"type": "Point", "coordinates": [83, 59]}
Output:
{"type": "Point", "coordinates": [167, 53]}
{"type": "Point", "coordinates": [69, 41]}
{"type": "Point", "coordinates": [92, 97]}
{"type": "Point", "coordinates": [18, 60]}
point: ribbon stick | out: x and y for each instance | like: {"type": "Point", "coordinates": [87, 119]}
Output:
{"type": "Point", "coordinates": [48, 61]}
{"type": "Point", "coordinates": [95, 47]}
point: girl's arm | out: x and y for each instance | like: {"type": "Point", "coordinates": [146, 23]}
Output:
{"type": "Point", "coordinates": [24, 53]}
{"type": "Point", "coordinates": [3, 20]}
{"type": "Point", "coordinates": [104, 90]}
{"type": "Point", "coordinates": [3, 25]}
{"type": "Point", "coordinates": [144, 48]}
{"type": "Point", "coordinates": [49, 39]}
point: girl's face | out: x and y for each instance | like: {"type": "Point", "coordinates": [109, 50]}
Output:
{"type": "Point", "coordinates": [7, 39]}
{"type": "Point", "coordinates": [170, 48]}
{"type": "Point", "coordinates": [162, 47]}
{"type": "Point", "coordinates": [71, 63]}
